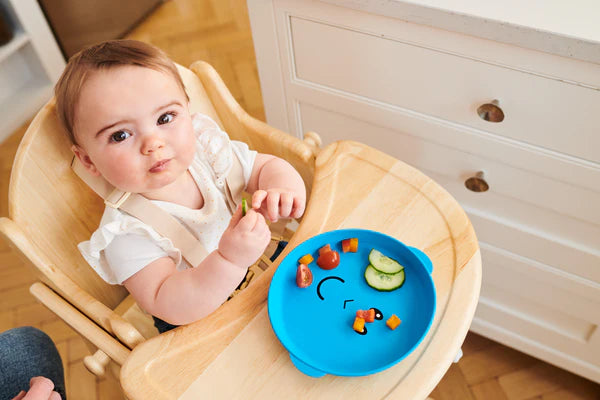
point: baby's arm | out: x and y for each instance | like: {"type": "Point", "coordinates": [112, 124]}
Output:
{"type": "Point", "coordinates": [181, 297]}
{"type": "Point", "coordinates": [277, 189]}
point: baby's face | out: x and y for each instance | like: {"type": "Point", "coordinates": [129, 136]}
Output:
{"type": "Point", "coordinates": [134, 128]}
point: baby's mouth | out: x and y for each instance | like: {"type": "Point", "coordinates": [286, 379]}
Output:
{"type": "Point", "coordinates": [160, 165]}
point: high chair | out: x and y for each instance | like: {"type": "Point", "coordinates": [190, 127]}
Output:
{"type": "Point", "coordinates": [51, 210]}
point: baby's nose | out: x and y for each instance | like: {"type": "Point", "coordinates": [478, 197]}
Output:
{"type": "Point", "coordinates": [152, 144]}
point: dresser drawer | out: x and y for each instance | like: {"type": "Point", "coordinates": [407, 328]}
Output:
{"type": "Point", "coordinates": [562, 255]}
{"type": "Point", "coordinates": [541, 307]}
{"type": "Point", "coordinates": [539, 110]}
{"type": "Point", "coordinates": [559, 211]}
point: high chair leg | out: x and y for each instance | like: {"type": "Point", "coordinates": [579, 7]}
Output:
{"type": "Point", "coordinates": [97, 363]}
{"type": "Point", "coordinates": [100, 365]}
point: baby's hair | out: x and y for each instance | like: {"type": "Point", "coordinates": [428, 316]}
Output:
{"type": "Point", "coordinates": [105, 55]}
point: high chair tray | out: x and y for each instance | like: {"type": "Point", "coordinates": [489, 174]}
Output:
{"type": "Point", "coordinates": [235, 353]}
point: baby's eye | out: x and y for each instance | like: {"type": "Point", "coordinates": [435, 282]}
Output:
{"type": "Point", "coordinates": [165, 118]}
{"type": "Point", "coordinates": [119, 136]}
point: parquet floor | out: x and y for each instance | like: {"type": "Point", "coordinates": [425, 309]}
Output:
{"type": "Point", "coordinates": [218, 31]}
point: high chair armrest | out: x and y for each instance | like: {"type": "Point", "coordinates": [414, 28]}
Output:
{"type": "Point", "coordinates": [313, 140]}
{"type": "Point", "coordinates": [68, 289]}
{"type": "Point", "coordinates": [78, 321]}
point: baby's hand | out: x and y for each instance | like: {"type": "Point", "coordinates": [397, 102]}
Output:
{"type": "Point", "coordinates": [245, 239]}
{"type": "Point", "coordinates": [278, 203]}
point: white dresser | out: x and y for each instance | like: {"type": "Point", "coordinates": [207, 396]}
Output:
{"type": "Point", "coordinates": [411, 79]}
{"type": "Point", "coordinates": [30, 64]}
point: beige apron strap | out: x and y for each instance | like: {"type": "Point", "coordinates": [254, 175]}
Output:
{"type": "Point", "coordinates": [147, 212]}
{"type": "Point", "coordinates": [96, 183]}
{"type": "Point", "coordinates": [234, 184]}
{"type": "Point", "coordinates": [167, 225]}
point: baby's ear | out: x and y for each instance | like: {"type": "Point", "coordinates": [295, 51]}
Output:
{"type": "Point", "coordinates": [84, 158]}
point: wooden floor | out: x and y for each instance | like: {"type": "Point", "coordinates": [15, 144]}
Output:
{"type": "Point", "coordinates": [218, 31]}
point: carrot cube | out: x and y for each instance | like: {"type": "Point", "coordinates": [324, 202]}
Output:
{"type": "Point", "coordinates": [359, 324]}
{"type": "Point", "coordinates": [354, 245]}
{"type": "Point", "coordinates": [393, 322]}
{"type": "Point", "coordinates": [306, 259]}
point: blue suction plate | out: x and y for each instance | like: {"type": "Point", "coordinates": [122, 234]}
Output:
{"type": "Point", "coordinates": [315, 323]}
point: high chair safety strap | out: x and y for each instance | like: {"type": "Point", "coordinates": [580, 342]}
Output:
{"type": "Point", "coordinates": [154, 216]}
{"type": "Point", "coordinates": [234, 184]}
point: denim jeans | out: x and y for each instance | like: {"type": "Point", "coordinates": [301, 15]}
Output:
{"type": "Point", "coordinates": [164, 326]}
{"type": "Point", "coordinates": [24, 353]}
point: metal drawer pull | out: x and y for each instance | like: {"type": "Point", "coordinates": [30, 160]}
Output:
{"type": "Point", "coordinates": [477, 183]}
{"type": "Point", "coordinates": [491, 112]}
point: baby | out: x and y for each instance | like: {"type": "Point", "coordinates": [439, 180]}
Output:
{"type": "Point", "coordinates": [125, 108]}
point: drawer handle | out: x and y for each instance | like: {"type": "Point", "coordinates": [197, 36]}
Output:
{"type": "Point", "coordinates": [477, 183]}
{"type": "Point", "coordinates": [491, 112]}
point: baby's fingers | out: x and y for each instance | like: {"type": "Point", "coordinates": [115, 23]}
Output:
{"type": "Point", "coordinates": [298, 208]}
{"type": "Point", "coordinates": [273, 206]}
{"type": "Point", "coordinates": [260, 225]}
{"type": "Point", "coordinates": [257, 199]}
{"type": "Point", "coordinates": [285, 204]}
{"type": "Point", "coordinates": [263, 232]}
{"type": "Point", "coordinates": [248, 221]}
{"type": "Point", "coordinates": [236, 217]}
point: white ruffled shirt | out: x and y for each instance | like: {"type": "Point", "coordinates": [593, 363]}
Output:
{"type": "Point", "coordinates": [123, 245]}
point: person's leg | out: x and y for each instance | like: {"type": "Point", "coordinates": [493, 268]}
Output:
{"type": "Point", "coordinates": [24, 353]}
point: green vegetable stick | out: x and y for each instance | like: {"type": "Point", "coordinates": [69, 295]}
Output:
{"type": "Point", "coordinates": [244, 206]}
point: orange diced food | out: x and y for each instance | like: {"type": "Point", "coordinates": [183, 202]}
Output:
{"type": "Point", "coordinates": [350, 245]}
{"type": "Point", "coordinates": [393, 322]}
{"type": "Point", "coordinates": [359, 324]}
{"type": "Point", "coordinates": [367, 315]}
{"type": "Point", "coordinates": [306, 259]}
{"type": "Point", "coordinates": [346, 245]}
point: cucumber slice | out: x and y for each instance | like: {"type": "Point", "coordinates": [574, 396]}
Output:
{"type": "Point", "coordinates": [244, 207]}
{"type": "Point", "coordinates": [383, 282]}
{"type": "Point", "coordinates": [383, 263]}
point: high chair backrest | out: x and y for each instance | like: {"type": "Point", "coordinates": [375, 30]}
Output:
{"type": "Point", "coordinates": [53, 207]}
{"type": "Point", "coordinates": [55, 210]}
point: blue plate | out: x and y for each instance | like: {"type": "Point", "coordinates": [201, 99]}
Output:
{"type": "Point", "coordinates": [315, 323]}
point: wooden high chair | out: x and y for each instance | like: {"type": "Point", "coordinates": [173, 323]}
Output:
{"type": "Point", "coordinates": [51, 210]}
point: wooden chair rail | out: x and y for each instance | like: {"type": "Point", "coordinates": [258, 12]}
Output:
{"type": "Point", "coordinates": [100, 314]}
{"type": "Point", "coordinates": [82, 324]}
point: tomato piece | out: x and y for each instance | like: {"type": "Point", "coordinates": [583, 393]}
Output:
{"type": "Point", "coordinates": [304, 276]}
{"type": "Point", "coordinates": [325, 249]}
{"type": "Point", "coordinates": [367, 315]}
{"type": "Point", "coordinates": [329, 260]}
{"type": "Point", "coordinates": [306, 259]}
{"type": "Point", "coordinates": [346, 245]}
{"type": "Point", "coordinates": [354, 245]}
